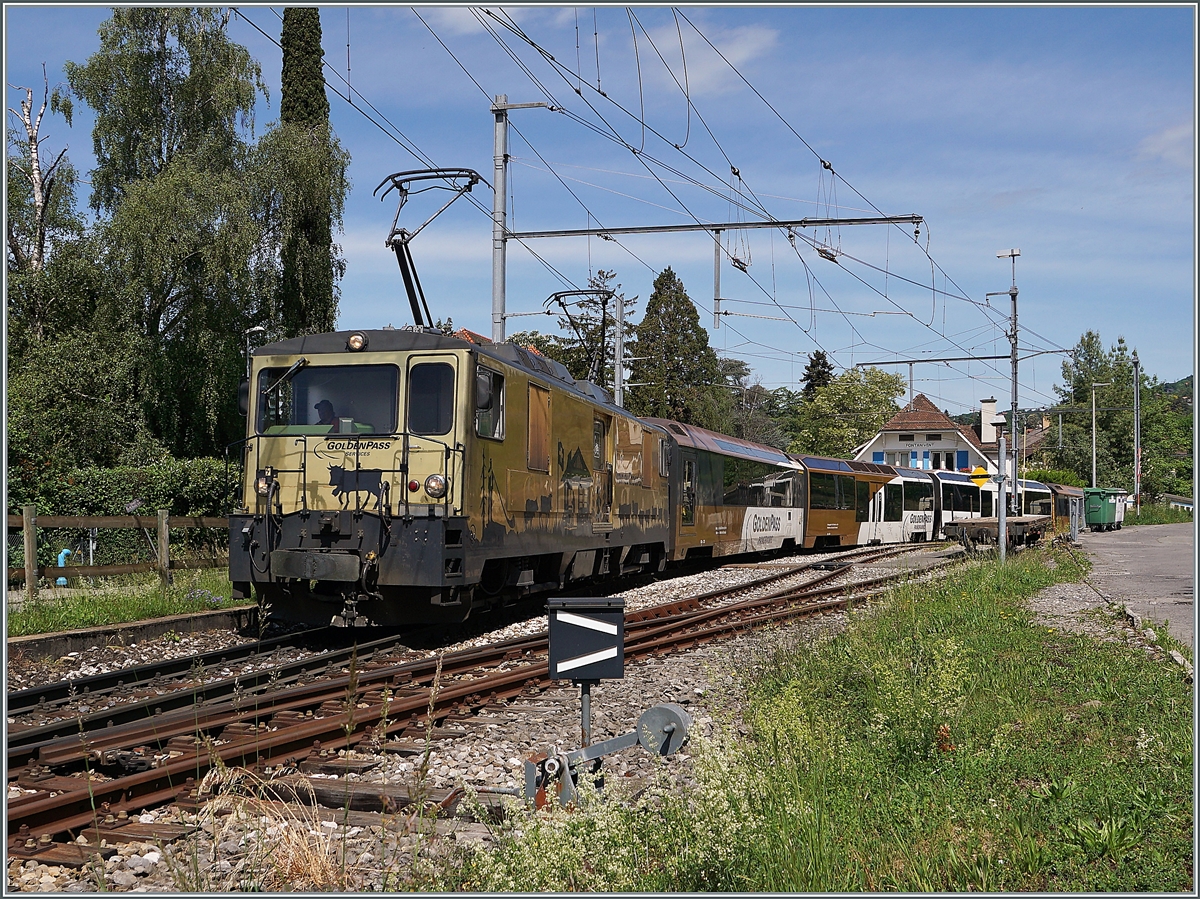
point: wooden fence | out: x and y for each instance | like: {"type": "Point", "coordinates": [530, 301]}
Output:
{"type": "Point", "coordinates": [29, 521]}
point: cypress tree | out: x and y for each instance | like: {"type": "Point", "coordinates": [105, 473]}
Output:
{"type": "Point", "coordinates": [307, 303]}
{"type": "Point", "coordinates": [302, 100]}
{"type": "Point", "coordinates": [680, 372]}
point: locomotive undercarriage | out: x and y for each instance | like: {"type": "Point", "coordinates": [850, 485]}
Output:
{"type": "Point", "coordinates": [355, 568]}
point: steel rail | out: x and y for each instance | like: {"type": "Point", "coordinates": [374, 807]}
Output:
{"type": "Point", "coordinates": [140, 679]}
{"type": "Point", "coordinates": [77, 808]}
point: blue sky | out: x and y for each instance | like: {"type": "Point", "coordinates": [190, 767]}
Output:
{"type": "Point", "coordinates": [1065, 131]}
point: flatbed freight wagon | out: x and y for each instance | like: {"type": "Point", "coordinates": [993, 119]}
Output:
{"type": "Point", "coordinates": [1023, 530]}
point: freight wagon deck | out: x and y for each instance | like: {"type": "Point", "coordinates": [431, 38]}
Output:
{"type": "Point", "coordinates": [1023, 530]}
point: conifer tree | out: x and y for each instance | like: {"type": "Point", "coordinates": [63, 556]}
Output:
{"type": "Point", "coordinates": [817, 374]}
{"type": "Point", "coordinates": [678, 372]}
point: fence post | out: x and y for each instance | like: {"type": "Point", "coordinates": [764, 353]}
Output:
{"type": "Point", "coordinates": [29, 524]}
{"type": "Point", "coordinates": [164, 548]}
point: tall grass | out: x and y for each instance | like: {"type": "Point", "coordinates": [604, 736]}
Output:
{"type": "Point", "coordinates": [121, 599]}
{"type": "Point", "coordinates": [1157, 513]}
{"type": "Point", "coordinates": [944, 741]}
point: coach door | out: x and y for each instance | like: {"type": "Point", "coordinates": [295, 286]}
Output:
{"type": "Point", "coordinates": [431, 423]}
{"type": "Point", "coordinates": [875, 518]}
{"type": "Point", "coordinates": [687, 489]}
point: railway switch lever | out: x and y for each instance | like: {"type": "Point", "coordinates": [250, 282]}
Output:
{"type": "Point", "coordinates": [661, 730]}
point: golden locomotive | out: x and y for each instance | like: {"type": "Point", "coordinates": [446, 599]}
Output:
{"type": "Point", "coordinates": [406, 475]}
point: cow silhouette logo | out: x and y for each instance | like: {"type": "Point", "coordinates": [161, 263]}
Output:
{"type": "Point", "coordinates": [356, 480]}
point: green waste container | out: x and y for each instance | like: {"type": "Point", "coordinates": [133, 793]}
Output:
{"type": "Point", "coordinates": [1103, 507]}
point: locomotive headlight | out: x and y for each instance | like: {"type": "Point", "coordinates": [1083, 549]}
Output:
{"type": "Point", "coordinates": [357, 341]}
{"type": "Point", "coordinates": [435, 485]}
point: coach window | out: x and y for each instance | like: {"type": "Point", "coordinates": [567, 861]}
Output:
{"type": "Point", "coordinates": [985, 504]}
{"type": "Point", "coordinates": [918, 497]}
{"type": "Point", "coordinates": [845, 492]}
{"type": "Point", "coordinates": [664, 457]}
{"type": "Point", "coordinates": [489, 403]}
{"type": "Point", "coordinates": [862, 500]}
{"type": "Point", "coordinates": [893, 502]}
{"type": "Point", "coordinates": [539, 428]}
{"type": "Point", "coordinates": [822, 491]}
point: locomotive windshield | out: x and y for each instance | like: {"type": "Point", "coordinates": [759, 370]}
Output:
{"type": "Point", "coordinates": [328, 399]}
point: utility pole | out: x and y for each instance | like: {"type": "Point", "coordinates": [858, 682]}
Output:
{"type": "Point", "coordinates": [1001, 524]}
{"type": "Point", "coordinates": [619, 355]}
{"type": "Point", "coordinates": [500, 234]}
{"type": "Point", "coordinates": [1012, 337]}
{"type": "Point", "coordinates": [1137, 435]}
{"type": "Point", "coordinates": [1095, 384]}
{"type": "Point", "coordinates": [716, 280]}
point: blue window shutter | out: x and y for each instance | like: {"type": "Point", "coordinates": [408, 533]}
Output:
{"type": "Point", "coordinates": [962, 459]}
{"type": "Point", "coordinates": [877, 458]}
{"type": "Point", "coordinates": [925, 459]}
{"type": "Point", "coordinates": [912, 459]}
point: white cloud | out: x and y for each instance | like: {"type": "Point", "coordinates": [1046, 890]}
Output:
{"type": "Point", "coordinates": [1172, 145]}
{"type": "Point", "coordinates": [707, 73]}
{"type": "Point", "coordinates": [456, 20]}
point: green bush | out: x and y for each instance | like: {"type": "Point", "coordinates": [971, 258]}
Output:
{"type": "Point", "coordinates": [192, 487]}
{"type": "Point", "coordinates": [1049, 476]}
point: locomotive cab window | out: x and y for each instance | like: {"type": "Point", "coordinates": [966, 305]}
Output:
{"type": "Point", "coordinates": [431, 398]}
{"type": "Point", "coordinates": [314, 400]}
{"type": "Point", "coordinates": [489, 403]}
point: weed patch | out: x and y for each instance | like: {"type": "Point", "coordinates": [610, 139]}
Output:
{"type": "Point", "coordinates": [118, 600]}
{"type": "Point", "coordinates": [943, 741]}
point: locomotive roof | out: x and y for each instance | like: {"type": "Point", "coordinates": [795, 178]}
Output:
{"type": "Point", "coordinates": [702, 438]}
{"type": "Point", "coordinates": [399, 340]}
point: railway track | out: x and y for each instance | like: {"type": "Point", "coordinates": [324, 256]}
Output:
{"type": "Point", "coordinates": [84, 775]}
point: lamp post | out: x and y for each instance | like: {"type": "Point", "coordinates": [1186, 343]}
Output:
{"type": "Point", "coordinates": [1137, 435]}
{"type": "Point", "coordinates": [1002, 497]}
{"type": "Point", "coordinates": [1095, 384]}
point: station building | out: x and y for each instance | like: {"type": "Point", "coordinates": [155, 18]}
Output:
{"type": "Point", "coordinates": [922, 436]}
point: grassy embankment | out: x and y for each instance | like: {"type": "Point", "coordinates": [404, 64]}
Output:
{"type": "Point", "coordinates": [944, 741]}
{"type": "Point", "coordinates": [117, 600]}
